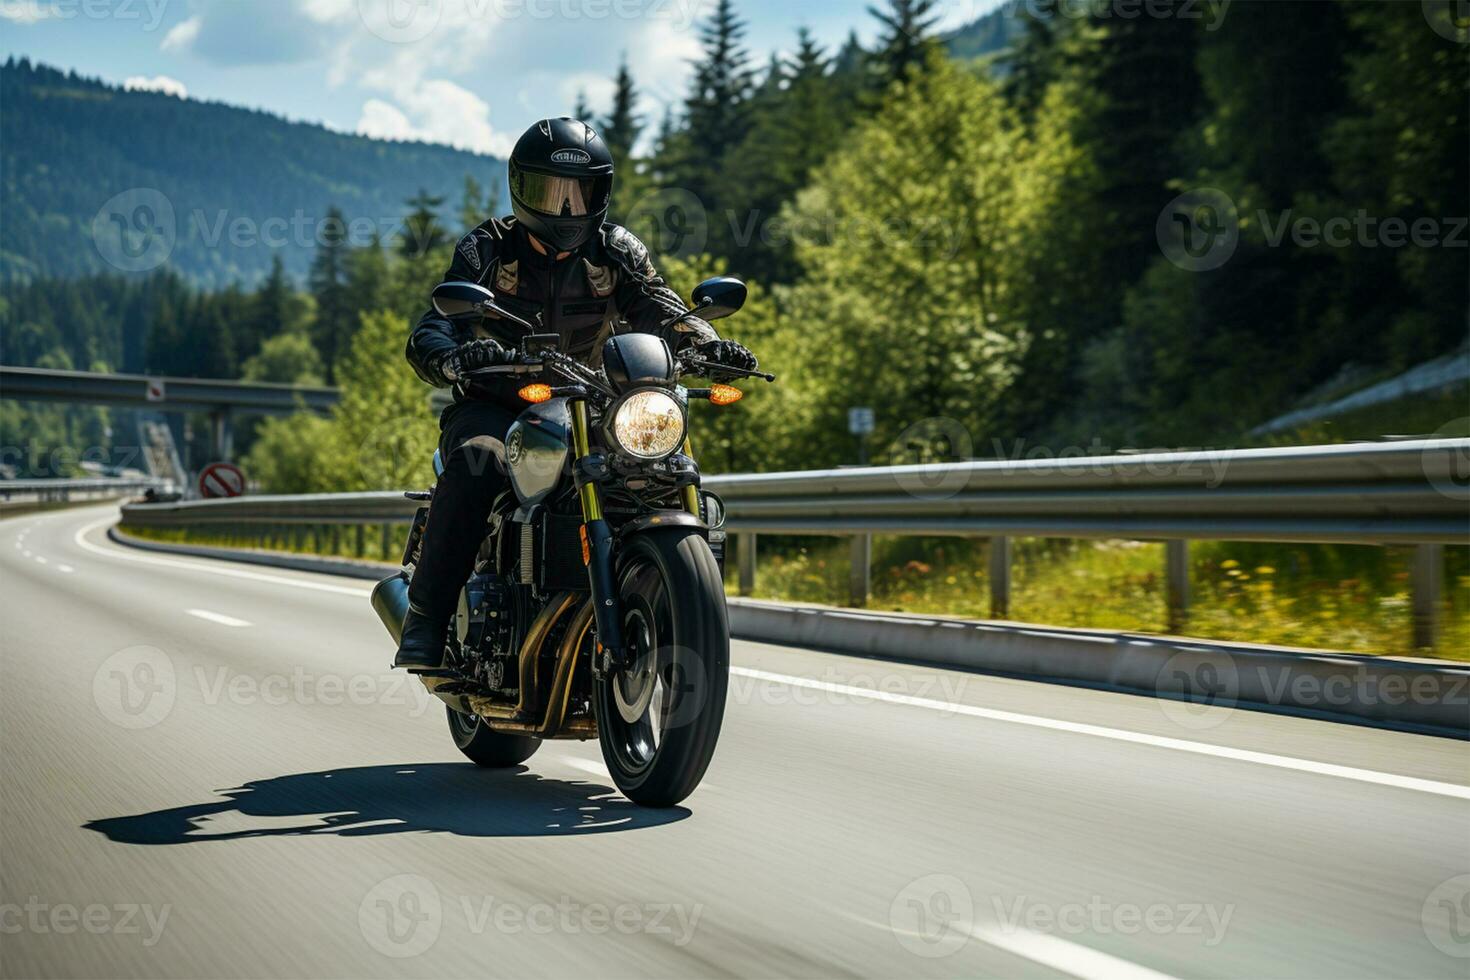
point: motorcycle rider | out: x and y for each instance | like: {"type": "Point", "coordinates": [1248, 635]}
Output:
{"type": "Point", "coordinates": [586, 278]}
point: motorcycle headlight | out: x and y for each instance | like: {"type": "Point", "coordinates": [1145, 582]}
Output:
{"type": "Point", "coordinates": [648, 424]}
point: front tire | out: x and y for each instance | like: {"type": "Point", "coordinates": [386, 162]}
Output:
{"type": "Point", "coordinates": [488, 748]}
{"type": "Point", "coordinates": [659, 718]}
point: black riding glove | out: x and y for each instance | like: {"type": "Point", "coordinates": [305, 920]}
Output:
{"type": "Point", "coordinates": [473, 356]}
{"type": "Point", "coordinates": [727, 353]}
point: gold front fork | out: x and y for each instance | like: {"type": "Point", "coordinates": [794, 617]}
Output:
{"type": "Point", "coordinates": [582, 445]}
{"type": "Point", "coordinates": [691, 495]}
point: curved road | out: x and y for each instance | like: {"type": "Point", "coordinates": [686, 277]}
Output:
{"type": "Point", "coordinates": [208, 771]}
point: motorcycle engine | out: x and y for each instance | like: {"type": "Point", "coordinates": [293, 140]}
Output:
{"type": "Point", "coordinates": [485, 625]}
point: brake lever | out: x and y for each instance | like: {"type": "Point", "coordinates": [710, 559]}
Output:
{"type": "Point", "coordinates": [710, 369]}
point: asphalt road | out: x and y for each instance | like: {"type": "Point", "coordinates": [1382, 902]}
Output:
{"type": "Point", "coordinates": [209, 771]}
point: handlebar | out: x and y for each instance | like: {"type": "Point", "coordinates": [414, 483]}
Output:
{"type": "Point", "coordinates": [576, 371]}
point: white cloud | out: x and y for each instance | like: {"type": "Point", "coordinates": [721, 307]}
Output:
{"type": "Point", "coordinates": [433, 111]}
{"type": "Point", "coordinates": [158, 83]}
{"type": "Point", "coordinates": [25, 11]}
{"type": "Point", "coordinates": [181, 36]}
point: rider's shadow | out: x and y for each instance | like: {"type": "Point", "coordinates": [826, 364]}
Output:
{"type": "Point", "coordinates": [450, 798]}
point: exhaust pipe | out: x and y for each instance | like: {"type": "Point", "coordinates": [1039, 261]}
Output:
{"type": "Point", "coordinates": [390, 601]}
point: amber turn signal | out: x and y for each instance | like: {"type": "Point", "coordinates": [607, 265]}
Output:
{"type": "Point", "coordinates": [535, 394]}
{"type": "Point", "coordinates": [725, 394]}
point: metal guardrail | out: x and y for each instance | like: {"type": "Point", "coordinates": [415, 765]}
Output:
{"type": "Point", "coordinates": [1406, 493]}
{"type": "Point", "coordinates": [49, 490]}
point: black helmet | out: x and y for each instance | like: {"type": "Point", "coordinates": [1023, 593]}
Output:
{"type": "Point", "coordinates": [561, 178]}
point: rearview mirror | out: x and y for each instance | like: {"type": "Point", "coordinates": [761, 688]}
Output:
{"type": "Point", "coordinates": [459, 298]}
{"type": "Point", "coordinates": [453, 299]}
{"type": "Point", "coordinates": [719, 297]}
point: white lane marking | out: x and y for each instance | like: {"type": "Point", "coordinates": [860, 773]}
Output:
{"type": "Point", "coordinates": [200, 566]}
{"type": "Point", "coordinates": [67, 569]}
{"type": "Point", "coordinates": [215, 617]}
{"type": "Point", "coordinates": [1068, 957]}
{"type": "Point", "coordinates": [27, 553]}
{"type": "Point", "coordinates": [1453, 790]}
{"type": "Point", "coordinates": [40, 560]}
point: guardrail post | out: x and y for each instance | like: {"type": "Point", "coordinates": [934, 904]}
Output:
{"type": "Point", "coordinates": [1000, 577]}
{"type": "Point", "coordinates": [1425, 577]}
{"type": "Point", "coordinates": [1176, 583]}
{"type": "Point", "coordinates": [361, 540]}
{"type": "Point", "coordinates": [387, 542]}
{"type": "Point", "coordinates": [745, 555]}
{"type": "Point", "coordinates": [860, 577]}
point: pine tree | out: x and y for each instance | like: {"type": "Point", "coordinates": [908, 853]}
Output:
{"type": "Point", "coordinates": [623, 126]}
{"type": "Point", "coordinates": [334, 323]}
{"type": "Point", "coordinates": [906, 40]}
{"type": "Point", "coordinates": [581, 110]}
{"type": "Point", "coordinates": [422, 232]}
{"type": "Point", "coordinates": [716, 115]}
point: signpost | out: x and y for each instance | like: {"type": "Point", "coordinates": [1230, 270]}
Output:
{"type": "Point", "coordinates": [219, 480]}
{"type": "Point", "coordinates": [860, 422]}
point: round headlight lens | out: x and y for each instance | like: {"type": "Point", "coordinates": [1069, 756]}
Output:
{"type": "Point", "coordinates": [649, 424]}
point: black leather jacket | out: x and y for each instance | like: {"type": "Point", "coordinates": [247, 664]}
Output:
{"type": "Point", "coordinates": [608, 285]}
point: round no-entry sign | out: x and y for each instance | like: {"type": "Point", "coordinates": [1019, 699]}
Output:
{"type": "Point", "coordinates": [221, 480]}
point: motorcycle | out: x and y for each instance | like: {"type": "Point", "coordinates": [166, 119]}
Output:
{"type": "Point", "coordinates": [596, 608]}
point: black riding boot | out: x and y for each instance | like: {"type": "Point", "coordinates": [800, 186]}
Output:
{"type": "Point", "coordinates": [457, 516]}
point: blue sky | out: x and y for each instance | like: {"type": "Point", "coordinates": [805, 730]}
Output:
{"type": "Point", "coordinates": [470, 73]}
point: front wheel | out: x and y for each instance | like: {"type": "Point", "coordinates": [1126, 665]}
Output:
{"type": "Point", "coordinates": [488, 748]}
{"type": "Point", "coordinates": [659, 717]}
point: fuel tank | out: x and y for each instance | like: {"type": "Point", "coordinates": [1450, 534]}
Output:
{"type": "Point", "coordinates": [537, 449]}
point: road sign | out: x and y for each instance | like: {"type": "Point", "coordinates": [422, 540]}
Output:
{"type": "Point", "coordinates": [860, 421]}
{"type": "Point", "coordinates": [221, 480]}
{"type": "Point", "coordinates": [154, 391]}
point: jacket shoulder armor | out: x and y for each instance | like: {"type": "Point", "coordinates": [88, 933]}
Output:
{"type": "Point", "coordinates": [480, 248]}
{"type": "Point", "coordinates": [624, 247]}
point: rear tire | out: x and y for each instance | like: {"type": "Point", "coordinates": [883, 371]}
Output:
{"type": "Point", "coordinates": [659, 719]}
{"type": "Point", "coordinates": [484, 747]}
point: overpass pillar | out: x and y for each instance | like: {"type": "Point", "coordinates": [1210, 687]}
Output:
{"type": "Point", "coordinates": [224, 433]}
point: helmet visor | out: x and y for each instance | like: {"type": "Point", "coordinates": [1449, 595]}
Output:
{"type": "Point", "coordinates": [563, 197]}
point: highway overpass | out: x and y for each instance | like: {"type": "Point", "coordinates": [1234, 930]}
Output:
{"type": "Point", "coordinates": [220, 399]}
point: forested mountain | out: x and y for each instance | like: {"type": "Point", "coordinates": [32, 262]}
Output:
{"type": "Point", "coordinates": [237, 182]}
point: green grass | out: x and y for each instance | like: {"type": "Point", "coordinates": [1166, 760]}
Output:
{"type": "Point", "coordinates": [1354, 599]}
{"type": "Point", "coordinates": [1349, 598]}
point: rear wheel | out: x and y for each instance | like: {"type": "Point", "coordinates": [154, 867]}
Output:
{"type": "Point", "coordinates": [484, 747]}
{"type": "Point", "coordinates": [658, 719]}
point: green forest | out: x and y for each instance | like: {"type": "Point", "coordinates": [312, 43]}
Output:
{"type": "Point", "coordinates": [981, 246]}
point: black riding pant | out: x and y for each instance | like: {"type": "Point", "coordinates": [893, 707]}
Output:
{"type": "Point", "coordinates": [472, 444]}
